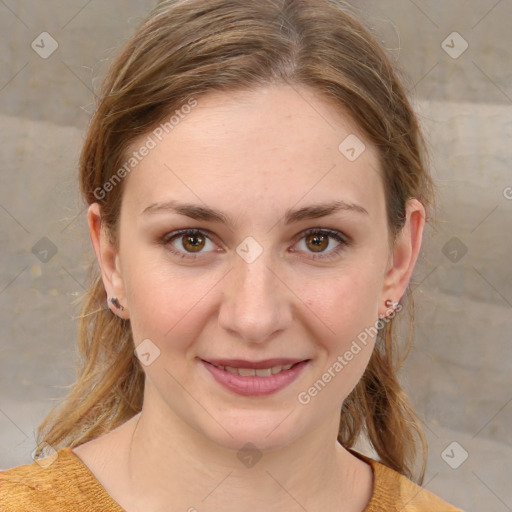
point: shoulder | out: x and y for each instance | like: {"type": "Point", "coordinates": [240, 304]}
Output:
{"type": "Point", "coordinates": [56, 483]}
{"type": "Point", "coordinates": [393, 491]}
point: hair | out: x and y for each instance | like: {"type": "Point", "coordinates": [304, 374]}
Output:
{"type": "Point", "coordinates": [187, 48]}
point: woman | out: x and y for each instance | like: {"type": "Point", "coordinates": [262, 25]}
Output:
{"type": "Point", "coordinates": [256, 197]}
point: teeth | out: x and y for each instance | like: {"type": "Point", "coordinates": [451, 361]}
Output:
{"type": "Point", "coordinates": [252, 372]}
{"type": "Point", "coordinates": [247, 372]}
{"type": "Point", "coordinates": [264, 372]}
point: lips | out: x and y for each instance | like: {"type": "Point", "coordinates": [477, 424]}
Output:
{"type": "Point", "coordinates": [246, 368]}
{"type": "Point", "coordinates": [249, 380]}
{"type": "Point", "coordinates": [242, 363]}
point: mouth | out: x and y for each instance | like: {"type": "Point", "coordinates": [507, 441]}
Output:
{"type": "Point", "coordinates": [256, 378]}
{"type": "Point", "coordinates": [264, 368]}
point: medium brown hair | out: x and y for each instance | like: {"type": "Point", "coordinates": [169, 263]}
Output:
{"type": "Point", "coordinates": [186, 48]}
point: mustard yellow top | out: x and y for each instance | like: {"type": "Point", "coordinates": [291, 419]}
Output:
{"type": "Point", "coordinates": [67, 485]}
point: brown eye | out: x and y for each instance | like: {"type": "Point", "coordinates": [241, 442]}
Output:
{"type": "Point", "coordinates": [319, 242]}
{"type": "Point", "coordinates": [193, 242]}
{"type": "Point", "coordinates": [188, 243]}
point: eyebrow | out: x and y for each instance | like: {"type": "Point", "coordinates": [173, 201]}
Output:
{"type": "Point", "coordinates": [206, 213]}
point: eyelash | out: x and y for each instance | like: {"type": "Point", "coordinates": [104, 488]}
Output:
{"type": "Point", "coordinates": [343, 240]}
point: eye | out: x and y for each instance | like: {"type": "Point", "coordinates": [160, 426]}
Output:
{"type": "Point", "coordinates": [318, 240]}
{"type": "Point", "coordinates": [186, 243]}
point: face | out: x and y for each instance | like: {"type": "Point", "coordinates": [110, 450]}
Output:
{"type": "Point", "coordinates": [274, 275]}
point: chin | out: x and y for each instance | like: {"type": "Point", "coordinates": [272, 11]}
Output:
{"type": "Point", "coordinates": [266, 435]}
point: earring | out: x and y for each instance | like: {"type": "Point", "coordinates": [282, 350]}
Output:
{"type": "Point", "coordinates": [389, 304]}
{"type": "Point", "coordinates": [116, 303]}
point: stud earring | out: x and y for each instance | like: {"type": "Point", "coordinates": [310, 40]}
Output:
{"type": "Point", "coordinates": [389, 304]}
{"type": "Point", "coordinates": [116, 303]}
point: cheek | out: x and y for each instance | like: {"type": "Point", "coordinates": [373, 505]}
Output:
{"type": "Point", "coordinates": [345, 340]}
{"type": "Point", "coordinates": [167, 303]}
{"type": "Point", "coordinates": [348, 308]}
{"type": "Point", "coordinates": [346, 301]}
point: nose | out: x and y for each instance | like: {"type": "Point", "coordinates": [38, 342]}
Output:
{"type": "Point", "coordinates": [256, 303]}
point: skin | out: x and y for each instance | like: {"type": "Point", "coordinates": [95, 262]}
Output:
{"type": "Point", "coordinates": [252, 155]}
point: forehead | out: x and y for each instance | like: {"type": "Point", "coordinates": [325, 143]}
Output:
{"type": "Point", "coordinates": [254, 148]}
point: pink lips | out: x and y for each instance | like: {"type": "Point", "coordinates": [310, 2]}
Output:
{"type": "Point", "coordinates": [254, 385]}
{"type": "Point", "coordinates": [242, 363]}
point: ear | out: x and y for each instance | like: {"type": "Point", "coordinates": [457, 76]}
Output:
{"type": "Point", "coordinates": [404, 255]}
{"type": "Point", "coordinates": [107, 254]}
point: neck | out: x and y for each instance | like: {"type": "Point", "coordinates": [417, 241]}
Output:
{"type": "Point", "coordinates": [166, 463]}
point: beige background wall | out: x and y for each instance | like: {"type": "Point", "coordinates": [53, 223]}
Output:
{"type": "Point", "coordinates": [459, 371]}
